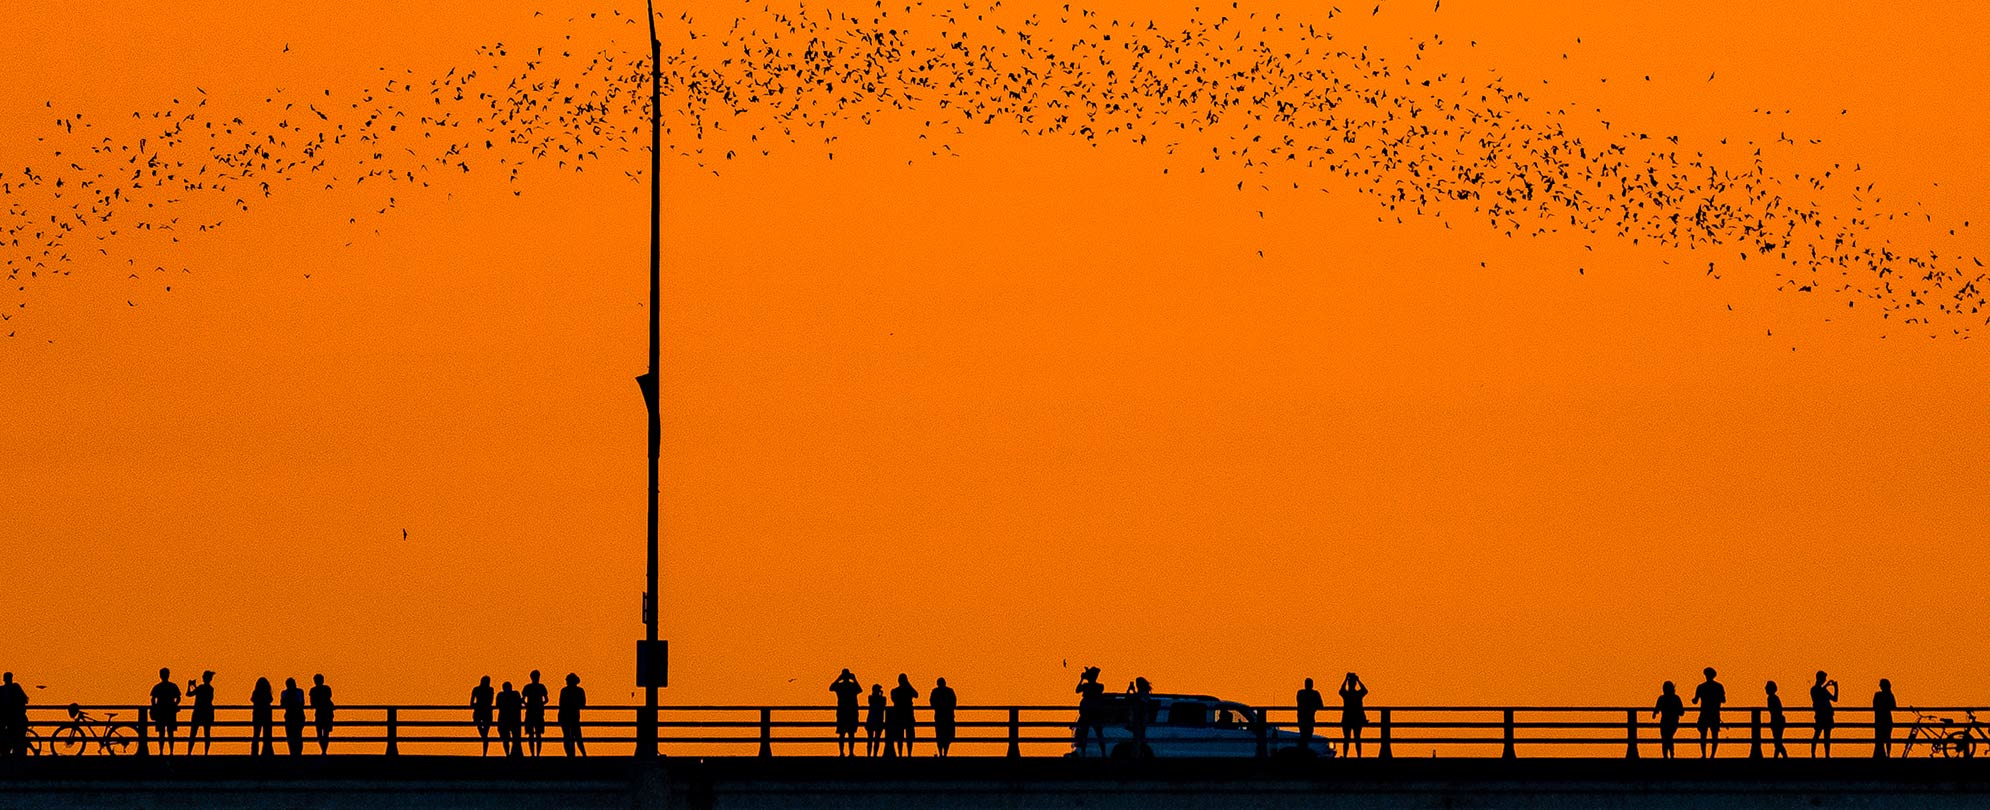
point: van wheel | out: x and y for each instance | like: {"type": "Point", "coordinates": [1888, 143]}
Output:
{"type": "Point", "coordinates": [1126, 751]}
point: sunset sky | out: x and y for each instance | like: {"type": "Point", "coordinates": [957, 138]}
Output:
{"type": "Point", "coordinates": [1000, 416]}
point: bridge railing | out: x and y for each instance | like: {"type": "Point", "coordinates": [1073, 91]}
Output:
{"type": "Point", "coordinates": [734, 730]}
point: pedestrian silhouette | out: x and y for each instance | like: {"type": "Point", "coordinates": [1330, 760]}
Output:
{"type": "Point", "coordinates": [510, 716]}
{"type": "Point", "coordinates": [900, 722]}
{"type": "Point", "coordinates": [1823, 714]}
{"type": "Point", "coordinates": [321, 706]}
{"type": "Point", "coordinates": [572, 700]}
{"type": "Point", "coordinates": [203, 713]}
{"type": "Point", "coordinates": [943, 703]}
{"type": "Point", "coordinates": [1668, 711]}
{"type": "Point", "coordinates": [1309, 703]}
{"type": "Point", "coordinates": [293, 716]}
{"type": "Point", "coordinates": [13, 717]}
{"type": "Point", "coordinates": [874, 720]}
{"type": "Point", "coordinates": [1091, 695]}
{"type": "Point", "coordinates": [165, 709]}
{"type": "Point", "coordinates": [1883, 720]}
{"type": "Point", "coordinates": [1710, 695]}
{"type": "Point", "coordinates": [847, 689]}
{"type": "Point", "coordinates": [535, 713]}
{"type": "Point", "coordinates": [262, 725]}
{"type": "Point", "coordinates": [1352, 715]}
{"type": "Point", "coordinates": [481, 696]}
{"type": "Point", "coordinates": [1776, 720]}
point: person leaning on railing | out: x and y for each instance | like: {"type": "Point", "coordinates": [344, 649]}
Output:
{"type": "Point", "coordinates": [572, 700]}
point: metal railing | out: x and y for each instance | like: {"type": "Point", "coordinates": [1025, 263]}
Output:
{"type": "Point", "coordinates": [1014, 731]}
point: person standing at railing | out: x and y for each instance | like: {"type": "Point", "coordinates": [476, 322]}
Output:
{"type": "Point", "coordinates": [1883, 720]}
{"type": "Point", "coordinates": [572, 700]}
{"type": "Point", "coordinates": [874, 720]}
{"type": "Point", "coordinates": [321, 705]}
{"type": "Point", "coordinates": [166, 709]}
{"type": "Point", "coordinates": [901, 722]}
{"type": "Point", "coordinates": [293, 716]}
{"type": "Point", "coordinates": [847, 689]}
{"type": "Point", "coordinates": [1668, 711]}
{"type": "Point", "coordinates": [1352, 715]}
{"type": "Point", "coordinates": [203, 713]}
{"type": "Point", "coordinates": [260, 720]}
{"type": "Point", "coordinates": [1090, 694]}
{"type": "Point", "coordinates": [943, 703]}
{"type": "Point", "coordinates": [1776, 720]}
{"type": "Point", "coordinates": [1710, 695]}
{"type": "Point", "coordinates": [1823, 715]}
{"type": "Point", "coordinates": [1309, 704]}
{"type": "Point", "coordinates": [481, 696]}
{"type": "Point", "coordinates": [13, 717]}
{"type": "Point", "coordinates": [510, 705]}
{"type": "Point", "coordinates": [535, 713]}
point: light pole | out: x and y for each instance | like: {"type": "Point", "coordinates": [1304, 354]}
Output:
{"type": "Point", "coordinates": [652, 656]}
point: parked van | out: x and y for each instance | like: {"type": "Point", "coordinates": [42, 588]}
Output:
{"type": "Point", "coordinates": [1190, 726]}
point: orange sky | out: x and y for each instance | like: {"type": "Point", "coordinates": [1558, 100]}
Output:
{"type": "Point", "coordinates": [975, 417]}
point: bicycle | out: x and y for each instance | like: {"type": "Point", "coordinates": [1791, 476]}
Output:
{"type": "Point", "coordinates": [1949, 741]}
{"type": "Point", "coordinates": [75, 736]}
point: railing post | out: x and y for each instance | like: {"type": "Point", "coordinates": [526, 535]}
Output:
{"type": "Point", "coordinates": [766, 732]}
{"type": "Point", "coordinates": [1630, 733]}
{"type": "Point", "coordinates": [1754, 733]}
{"type": "Point", "coordinates": [1508, 753]}
{"type": "Point", "coordinates": [1387, 753]}
{"type": "Point", "coordinates": [1015, 732]}
{"type": "Point", "coordinates": [393, 731]}
{"type": "Point", "coordinates": [1260, 728]}
{"type": "Point", "coordinates": [143, 749]}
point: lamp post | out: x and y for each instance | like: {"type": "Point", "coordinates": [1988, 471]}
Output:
{"type": "Point", "coordinates": [652, 656]}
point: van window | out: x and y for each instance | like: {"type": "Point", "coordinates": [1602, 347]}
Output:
{"type": "Point", "coordinates": [1188, 715]}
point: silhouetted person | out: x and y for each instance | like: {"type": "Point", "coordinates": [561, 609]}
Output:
{"type": "Point", "coordinates": [943, 703]}
{"type": "Point", "coordinates": [510, 716]}
{"type": "Point", "coordinates": [572, 700]}
{"type": "Point", "coordinates": [1883, 720]}
{"type": "Point", "coordinates": [1668, 711]}
{"type": "Point", "coordinates": [321, 706]}
{"type": "Point", "coordinates": [900, 721]}
{"type": "Point", "coordinates": [203, 713]}
{"type": "Point", "coordinates": [847, 689]}
{"type": "Point", "coordinates": [13, 717]}
{"type": "Point", "coordinates": [1823, 714]}
{"type": "Point", "coordinates": [1776, 720]}
{"type": "Point", "coordinates": [874, 720]}
{"type": "Point", "coordinates": [166, 709]}
{"type": "Point", "coordinates": [1352, 715]}
{"type": "Point", "coordinates": [1710, 695]}
{"type": "Point", "coordinates": [1310, 704]}
{"type": "Point", "coordinates": [293, 716]}
{"type": "Point", "coordinates": [262, 719]}
{"type": "Point", "coordinates": [535, 713]}
{"type": "Point", "coordinates": [481, 697]}
{"type": "Point", "coordinates": [1091, 694]}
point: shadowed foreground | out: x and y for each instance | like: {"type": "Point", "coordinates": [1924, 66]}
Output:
{"type": "Point", "coordinates": [447, 782]}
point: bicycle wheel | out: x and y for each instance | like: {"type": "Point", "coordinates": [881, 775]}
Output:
{"type": "Point", "coordinates": [69, 741]}
{"type": "Point", "coordinates": [35, 743]}
{"type": "Point", "coordinates": [1962, 744]}
{"type": "Point", "coordinates": [114, 740]}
